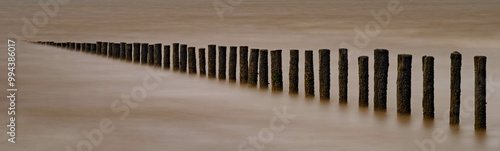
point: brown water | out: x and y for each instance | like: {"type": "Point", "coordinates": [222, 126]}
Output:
{"type": "Point", "coordinates": [62, 93]}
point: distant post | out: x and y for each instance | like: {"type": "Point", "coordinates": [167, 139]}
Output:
{"type": "Point", "coordinates": [480, 92]}
{"type": "Point", "coordinates": [201, 55]}
{"type": "Point", "coordinates": [309, 74]}
{"type": "Point", "coordinates": [276, 71]}
{"type": "Point", "coordinates": [222, 63]}
{"type": "Point", "coordinates": [404, 84]}
{"type": "Point", "coordinates": [232, 63]}
{"type": "Point", "coordinates": [324, 74]}
{"type": "Point", "coordinates": [294, 72]}
{"type": "Point", "coordinates": [428, 90]}
{"type": "Point", "coordinates": [137, 53]}
{"type": "Point", "coordinates": [363, 81]}
{"type": "Point", "coordinates": [263, 67]}
{"type": "Point", "coordinates": [455, 80]}
{"type": "Point", "coordinates": [192, 60]}
{"type": "Point", "coordinates": [175, 56]}
{"type": "Point", "coordinates": [157, 55]}
{"type": "Point", "coordinates": [212, 53]}
{"type": "Point", "coordinates": [183, 58]}
{"type": "Point", "coordinates": [243, 64]}
{"type": "Point", "coordinates": [381, 68]}
{"type": "Point", "coordinates": [166, 57]}
{"type": "Point", "coordinates": [253, 68]}
{"type": "Point", "coordinates": [144, 53]}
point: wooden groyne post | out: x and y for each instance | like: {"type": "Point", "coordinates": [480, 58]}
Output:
{"type": "Point", "coordinates": [294, 72]}
{"type": "Point", "coordinates": [203, 66]}
{"type": "Point", "coordinates": [343, 75]}
{"type": "Point", "coordinates": [363, 80]}
{"type": "Point", "coordinates": [276, 71]}
{"type": "Point", "coordinates": [104, 49]}
{"type": "Point", "coordinates": [99, 48]}
{"type": "Point", "coordinates": [212, 53]}
{"type": "Point", "coordinates": [123, 51]}
{"type": "Point", "coordinates": [232, 63]}
{"type": "Point", "coordinates": [151, 55]}
{"type": "Point", "coordinates": [157, 55]}
{"type": "Point", "coordinates": [253, 67]}
{"type": "Point", "coordinates": [128, 52]}
{"type": "Point", "coordinates": [166, 57]}
{"type": "Point", "coordinates": [243, 64]}
{"type": "Point", "coordinates": [455, 80]}
{"type": "Point", "coordinates": [183, 58]}
{"type": "Point", "coordinates": [404, 84]}
{"type": "Point", "coordinates": [381, 68]}
{"type": "Point", "coordinates": [144, 53]}
{"type": "Point", "coordinates": [309, 74]}
{"type": "Point", "coordinates": [428, 87]}
{"type": "Point", "coordinates": [192, 60]}
{"type": "Point", "coordinates": [263, 67]}
{"type": "Point", "coordinates": [324, 74]}
{"type": "Point", "coordinates": [175, 56]}
{"type": "Point", "coordinates": [222, 62]}
{"type": "Point", "coordinates": [93, 48]}
{"type": "Point", "coordinates": [137, 53]}
{"type": "Point", "coordinates": [116, 50]}
{"type": "Point", "coordinates": [480, 92]}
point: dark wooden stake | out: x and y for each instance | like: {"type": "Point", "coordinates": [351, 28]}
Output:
{"type": "Point", "coordinates": [144, 53]}
{"type": "Point", "coordinates": [201, 55]}
{"type": "Point", "coordinates": [324, 74]}
{"type": "Point", "coordinates": [243, 64]}
{"type": "Point", "coordinates": [309, 74]}
{"type": "Point", "coordinates": [232, 63]}
{"type": "Point", "coordinates": [363, 80]}
{"type": "Point", "coordinates": [404, 84]}
{"type": "Point", "coordinates": [381, 68]}
{"type": "Point", "coordinates": [428, 84]}
{"type": "Point", "coordinates": [263, 69]}
{"type": "Point", "coordinates": [175, 56]}
{"type": "Point", "coordinates": [192, 60]}
{"type": "Point", "coordinates": [343, 75]}
{"type": "Point", "coordinates": [294, 72]}
{"type": "Point", "coordinates": [276, 71]}
{"type": "Point", "coordinates": [455, 80]}
{"type": "Point", "coordinates": [212, 54]}
{"type": "Point", "coordinates": [253, 68]}
{"type": "Point", "coordinates": [480, 92]}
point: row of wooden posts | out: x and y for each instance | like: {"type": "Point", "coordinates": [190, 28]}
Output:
{"type": "Point", "coordinates": [254, 69]}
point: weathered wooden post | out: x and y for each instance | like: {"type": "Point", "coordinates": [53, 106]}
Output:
{"type": "Point", "coordinates": [381, 66]}
{"type": "Point", "coordinates": [455, 80]}
{"type": "Point", "coordinates": [87, 47]}
{"type": "Point", "coordinates": [183, 58]}
{"type": "Point", "coordinates": [98, 48]}
{"type": "Point", "coordinates": [116, 50]}
{"type": "Point", "coordinates": [294, 72]}
{"type": "Point", "coordinates": [72, 46]}
{"type": "Point", "coordinates": [324, 74]}
{"type": "Point", "coordinates": [93, 48]}
{"type": "Point", "coordinates": [263, 67]}
{"type": "Point", "coordinates": [151, 51]}
{"type": "Point", "coordinates": [128, 52]}
{"type": "Point", "coordinates": [78, 46]}
{"type": "Point", "coordinates": [363, 80]}
{"type": "Point", "coordinates": [428, 87]}
{"type": "Point", "coordinates": [201, 55]}
{"type": "Point", "coordinates": [192, 60]}
{"type": "Point", "coordinates": [104, 49]}
{"type": "Point", "coordinates": [222, 63]}
{"type": "Point", "coordinates": [253, 68]}
{"type": "Point", "coordinates": [309, 74]}
{"type": "Point", "coordinates": [157, 55]}
{"type": "Point", "coordinates": [137, 53]}
{"type": "Point", "coordinates": [276, 71]}
{"type": "Point", "coordinates": [232, 63]}
{"type": "Point", "coordinates": [404, 84]}
{"type": "Point", "coordinates": [166, 57]}
{"type": "Point", "coordinates": [122, 51]}
{"type": "Point", "coordinates": [111, 53]}
{"type": "Point", "coordinates": [343, 75]}
{"type": "Point", "coordinates": [211, 61]}
{"type": "Point", "coordinates": [243, 64]}
{"type": "Point", "coordinates": [175, 56]}
{"type": "Point", "coordinates": [480, 92]}
{"type": "Point", "coordinates": [144, 53]}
